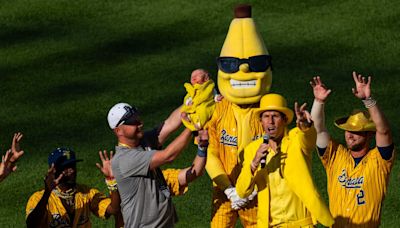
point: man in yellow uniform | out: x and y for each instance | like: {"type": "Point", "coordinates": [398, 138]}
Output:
{"type": "Point", "coordinates": [279, 167]}
{"type": "Point", "coordinates": [63, 202]}
{"type": "Point", "coordinates": [244, 75]}
{"type": "Point", "coordinates": [357, 175]}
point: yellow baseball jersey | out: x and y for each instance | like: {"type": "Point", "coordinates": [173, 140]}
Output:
{"type": "Point", "coordinates": [86, 200]}
{"type": "Point", "coordinates": [355, 192]}
{"type": "Point", "coordinates": [287, 195]}
{"type": "Point", "coordinates": [230, 129]}
{"type": "Point", "coordinates": [171, 177]}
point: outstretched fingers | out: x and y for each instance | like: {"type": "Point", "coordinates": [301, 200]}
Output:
{"type": "Point", "coordinates": [99, 166]}
{"type": "Point", "coordinates": [105, 155]}
{"type": "Point", "coordinates": [6, 158]}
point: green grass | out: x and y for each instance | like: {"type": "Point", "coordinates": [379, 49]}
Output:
{"type": "Point", "coordinates": [63, 64]}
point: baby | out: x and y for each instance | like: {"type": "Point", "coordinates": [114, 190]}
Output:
{"type": "Point", "coordinates": [199, 102]}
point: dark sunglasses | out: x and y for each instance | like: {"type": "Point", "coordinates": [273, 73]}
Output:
{"type": "Point", "coordinates": [131, 117]}
{"type": "Point", "coordinates": [258, 63]}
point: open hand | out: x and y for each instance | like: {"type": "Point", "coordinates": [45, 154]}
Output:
{"type": "Point", "coordinates": [15, 147]}
{"type": "Point", "coordinates": [320, 91]}
{"type": "Point", "coordinates": [363, 86]}
{"type": "Point", "coordinates": [303, 116]}
{"type": "Point", "coordinates": [105, 167]}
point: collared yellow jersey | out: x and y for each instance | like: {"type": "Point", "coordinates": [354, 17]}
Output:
{"type": "Point", "coordinates": [86, 200]}
{"type": "Point", "coordinates": [230, 129]}
{"type": "Point", "coordinates": [355, 192]}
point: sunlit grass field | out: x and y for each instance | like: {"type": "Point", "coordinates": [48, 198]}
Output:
{"type": "Point", "coordinates": [63, 64]}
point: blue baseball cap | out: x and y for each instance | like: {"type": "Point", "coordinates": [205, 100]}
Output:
{"type": "Point", "coordinates": [62, 157]}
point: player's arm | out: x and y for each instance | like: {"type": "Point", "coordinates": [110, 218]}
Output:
{"type": "Point", "coordinates": [106, 170]}
{"type": "Point", "coordinates": [383, 136]}
{"type": "Point", "coordinates": [321, 93]}
{"type": "Point", "coordinates": [171, 124]}
{"type": "Point", "coordinates": [172, 151]}
{"type": "Point", "coordinates": [5, 169]}
{"type": "Point", "coordinates": [9, 160]}
{"type": "Point", "coordinates": [40, 211]}
{"type": "Point", "coordinates": [196, 170]}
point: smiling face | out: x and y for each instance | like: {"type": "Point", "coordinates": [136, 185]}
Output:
{"type": "Point", "coordinates": [247, 82]}
{"type": "Point", "coordinates": [273, 123]}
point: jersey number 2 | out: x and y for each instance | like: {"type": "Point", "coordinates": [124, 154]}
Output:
{"type": "Point", "coordinates": [361, 198]}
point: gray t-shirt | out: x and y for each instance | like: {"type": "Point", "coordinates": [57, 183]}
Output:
{"type": "Point", "coordinates": [145, 198]}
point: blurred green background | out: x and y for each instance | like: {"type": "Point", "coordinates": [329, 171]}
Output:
{"type": "Point", "coordinates": [63, 64]}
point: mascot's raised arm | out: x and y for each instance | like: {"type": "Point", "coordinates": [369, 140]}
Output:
{"type": "Point", "coordinates": [244, 76]}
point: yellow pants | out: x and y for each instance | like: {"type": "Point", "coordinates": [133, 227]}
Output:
{"type": "Point", "coordinates": [223, 216]}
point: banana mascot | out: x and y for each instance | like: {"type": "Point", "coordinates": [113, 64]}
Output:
{"type": "Point", "coordinates": [244, 76]}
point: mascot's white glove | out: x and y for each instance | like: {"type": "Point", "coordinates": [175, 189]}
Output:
{"type": "Point", "coordinates": [252, 195]}
{"type": "Point", "coordinates": [236, 201]}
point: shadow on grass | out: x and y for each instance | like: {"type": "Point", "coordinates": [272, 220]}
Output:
{"type": "Point", "coordinates": [120, 48]}
{"type": "Point", "coordinates": [27, 33]}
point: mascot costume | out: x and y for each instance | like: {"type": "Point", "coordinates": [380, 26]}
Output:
{"type": "Point", "coordinates": [244, 76]}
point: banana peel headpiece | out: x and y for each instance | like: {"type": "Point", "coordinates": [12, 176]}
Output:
{"type": "Point", "coordinates": [243, 78]}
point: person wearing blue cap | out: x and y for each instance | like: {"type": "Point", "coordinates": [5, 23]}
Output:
{"type": "Point", "coordinates": [63, 202]}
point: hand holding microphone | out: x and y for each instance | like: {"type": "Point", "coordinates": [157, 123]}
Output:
{"type": "Point", "coordinates": [265, 141]}
{"type": "Point", "coordinates": [260, 157]}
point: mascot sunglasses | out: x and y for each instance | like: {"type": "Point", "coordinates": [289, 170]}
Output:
{"type": "Point", "coordinates": [258, 63]}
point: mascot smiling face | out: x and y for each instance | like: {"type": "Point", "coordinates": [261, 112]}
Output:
{"type": "Point", "coordinates": [244, 65]}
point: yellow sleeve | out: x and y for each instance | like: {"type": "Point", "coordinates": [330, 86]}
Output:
{"type": "Point", "coordinates": [98, 203]}
{"type": "Point", "coordinates": [307, 139]}
{"type": "Point", "coordinates": [171, 177]}
{"type": "Point", "coordinates": [386, 165]}
{"type": "Point", "coordinates": [214, 165]}
{"type": "Point", "coordinates": [298, 163]}
{"type": "Point", "coordinates": [330, 154]}
{"type": "Point", "coordinates": [246, 180]}
{"type": "Point", "coordinates": [32, 202]}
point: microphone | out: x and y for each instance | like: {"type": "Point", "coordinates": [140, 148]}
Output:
{"type": "Point", "coordinates": [265, 140]}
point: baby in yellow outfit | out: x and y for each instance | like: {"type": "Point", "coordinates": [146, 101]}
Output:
{"type": "Point", "coordinates": [199, 102]}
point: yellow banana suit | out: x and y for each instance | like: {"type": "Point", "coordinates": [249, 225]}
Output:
{"type": "Point", "coordinates": [233, 125]}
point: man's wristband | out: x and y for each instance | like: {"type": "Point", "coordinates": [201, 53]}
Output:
{"type": "Point", "coordinates": [202, 151]}
{"type": "Point", "coordinates": [111, 184]}
{"type": "Point", "coordinates": [369, 102]}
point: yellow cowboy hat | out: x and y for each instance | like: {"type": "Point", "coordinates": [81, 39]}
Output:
{"type": "Point", "coordinates": [275, 102]}
{"type": "Point", "coordinates": [358, 121]}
